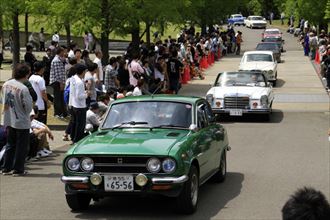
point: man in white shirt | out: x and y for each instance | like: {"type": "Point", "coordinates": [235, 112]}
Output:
{"type": "Point", "coordinates": [90, 41]}
{"type": "Point", "coordinates": [56, 37]}
{"type": "Point", "coordinates": [78, 96]}
{"type": "Point", "coordinates": [92, 117]}
{"type": "Point", "coordinates": [38, 83]}
{"type": "Point", "coordinates": [97, 60]}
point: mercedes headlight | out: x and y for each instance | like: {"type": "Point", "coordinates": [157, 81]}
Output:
{"type": "Point", "coordinates": [264, 101]}
{"type": "Point", "coordinates": [87, 164]}
{"type": "Point", "coordinates": [169, 165]}
{"type": "Point", "coordinates": [153, 165]}
{"type": "Point", "coordinates": [270, 72]}
{"type": "Point", "coordinates": [73, 164]}
{"type": "Point", "coordinates": [209, 98]}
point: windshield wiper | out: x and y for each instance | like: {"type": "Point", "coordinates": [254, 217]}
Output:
{"type": "Point", "coordinates": [130, 123]}
{"type": "Point", "coordinates": [170, 126]}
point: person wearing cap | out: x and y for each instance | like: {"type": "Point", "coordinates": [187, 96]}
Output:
{"type": "Point", "coordinates": [38, 83]}
{"type": "Point", "coordinates": [78, 96]}
{"type": "Point", "coordinates": [92, 117]}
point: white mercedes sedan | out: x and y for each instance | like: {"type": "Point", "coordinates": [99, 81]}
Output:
{"type": "Point", "coordinates": [255, 22]}
{"type": "Point", "coordinates": [263, 61]}
{"type": "Point", "coordinates": [239, 93]}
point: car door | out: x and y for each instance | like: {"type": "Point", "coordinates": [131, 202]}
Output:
{"type": "Point", "coordinates": [204, 142]}
{"type": "Point", "coordinates": [217, 133]}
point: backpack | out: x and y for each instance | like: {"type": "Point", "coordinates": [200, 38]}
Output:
{"type": "Point", "coordinates": [67, 94]}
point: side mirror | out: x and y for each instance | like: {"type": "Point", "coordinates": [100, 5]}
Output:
{"type": "Point", "coordinates": [269, 84]}
{"type": "Point", "coordinates": [193, 128]}
{"type": "Point", "coordinates": [264, 19]}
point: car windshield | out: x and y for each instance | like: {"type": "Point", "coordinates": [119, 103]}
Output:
{"type": "Point", "coordinates": [272, 39]}
{"type": "Point", "coordinates": [269, 46]}
{"type": "Point", "coordinates": [256, 18]}
{"type": "Point", "coordinates": [241, 79]}
{"type": "Point", "coordinates": [237, 16]}
{"type": "Point", "coordinates": [272, 32]}
{"type": "Point", "coordinates": [259, 58]}
{"type": "Point", "coordinates": [149, 114]}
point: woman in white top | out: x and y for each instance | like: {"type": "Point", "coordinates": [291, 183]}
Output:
{"type": "Point", "coordinates": [138, 88]}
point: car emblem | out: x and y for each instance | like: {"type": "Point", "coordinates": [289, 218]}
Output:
{"type": "Point", "coordinates": [120, 160]}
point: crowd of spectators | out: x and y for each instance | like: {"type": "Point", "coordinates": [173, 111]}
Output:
{"type": "Point", "coordinates": [83, 88]}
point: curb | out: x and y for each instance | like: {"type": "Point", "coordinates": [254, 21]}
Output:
{"type": "Point", "coordinates": [317, 68]}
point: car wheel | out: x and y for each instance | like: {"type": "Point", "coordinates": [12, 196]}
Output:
{"type": "Point", "coordinates": [78, 202]}
{"type": "Point", "coordinates": [220, 176]}
{"type": "Point", "coordinates": [188, 198]}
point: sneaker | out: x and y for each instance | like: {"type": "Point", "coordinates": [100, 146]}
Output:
{"type": "Point", "coordinates": [16, 173]}
{"type": "Point", "coordinates": [6, 172]}
{"type": "Point", "coordinates": [65, 138]}
{"type": "Point", "coordinates": [47, 151]}
{"type": "Point", "coordinates": [41, 153]}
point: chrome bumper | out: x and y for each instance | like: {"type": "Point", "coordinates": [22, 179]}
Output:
{"type": "Point", "coordinates": [169, 180]}
{"type": "Point", "coordinates": [74, 179]}
{"type": "Point", "coordinates": [244, 111]}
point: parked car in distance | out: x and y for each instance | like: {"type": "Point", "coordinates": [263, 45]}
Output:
{"type": "Point", "coordinates": [236, 19]}
{"type": "Point", "coordinates": [270, 46]}
{"type": "Point", "coordinates": [148, 145]}
{"type": "Point", "coordinates": [255, 22]}
{"type": "Point", "coordinates": [273, 32]}
{"type": "Point", "coordinates": [239, 93]}
{"type": "Point", "coordinates": [260, 61]}
{"type": "Point", "coordinates": [278, 40]}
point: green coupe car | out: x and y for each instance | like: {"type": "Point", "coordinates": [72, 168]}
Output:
{"type": "Point", "coordinates": [163, 144]}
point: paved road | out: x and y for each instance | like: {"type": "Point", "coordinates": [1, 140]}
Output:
{"type": "Point", "coordinates": [267, 163]}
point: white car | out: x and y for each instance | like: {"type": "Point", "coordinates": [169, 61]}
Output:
{"type": "Point", "coordinates": [263, 61]}
{"type": "Point", "coordinates": [255, 22]}
{"type": "Point", "coordinates": [239, 93]}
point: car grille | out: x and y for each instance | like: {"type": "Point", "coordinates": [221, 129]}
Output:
{"type": "Point", "coordinates": [237, 102]}
{"type": "Point", "coordinates": [115, 164]}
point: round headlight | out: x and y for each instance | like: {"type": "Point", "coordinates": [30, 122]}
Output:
{"type": "Point", "coordinates": [169, 165]}
{"type": "Point", "coordinates": [96, 179]}
{"type": "Point", "coordinates": [153, 165]}
{"type": "Point", "coordinates": [87, 164]}
{"type": "Point", "coordinates": [73, 164]}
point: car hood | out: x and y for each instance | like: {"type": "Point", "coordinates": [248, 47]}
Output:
{"type": "Point", "coordinates": [252, 92]}
{"type": "Point", "coordinates": [257, 66]}
{"type": "Point", "coordinates": [131, 142]}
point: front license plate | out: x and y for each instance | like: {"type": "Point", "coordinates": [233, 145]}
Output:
{"type": "Point", "coordinates": [118, 183]}
{"type": "Point", "coordinates": [236, 112]}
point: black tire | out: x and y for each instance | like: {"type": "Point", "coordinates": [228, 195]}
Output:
{"type": "Point", "coordinates": [186, 202]}
{"type": "Point", "coordinates": [274, 83]}
{"type": "Point", "coordinates": [78, 202]}
{"type": "Point", "coordinates": [220, 176]}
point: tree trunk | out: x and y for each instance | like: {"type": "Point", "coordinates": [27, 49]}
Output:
{"type": "Point", "coordinates": [68, 33]}
{"type": "Point", "coordinates": [105, 27]}
{"type": "Point", "coordinates": [1, 30]}
{"type": "Point", "coordinates": [148, 33]}
{"type": "Point", "coordinates": [26, 28]}
{"type": "Point", "coordinates": [136, 36]}
{"type": "Point", "coordinates": [16, 46]}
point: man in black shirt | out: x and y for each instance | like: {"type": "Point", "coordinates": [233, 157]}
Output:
{"type": "Point", "coordinates": [174, 69]}
{"type": "Point", "coordinates": [29, 58]}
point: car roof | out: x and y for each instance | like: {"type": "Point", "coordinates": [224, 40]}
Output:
{"type": "Point", "coordinates": [251, 16]}
{"type": "Point", "coordinates": [237, 15]}
{"type": "Point", "coordinates": [258, 52]}
{"type": "Point", "coordinates": [272, 42]}
{"type": "Point", "coordinates": [163, 97]}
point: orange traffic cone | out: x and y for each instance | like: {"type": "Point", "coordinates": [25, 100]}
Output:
{"type": "Point", "coordinates": [317, 57]}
